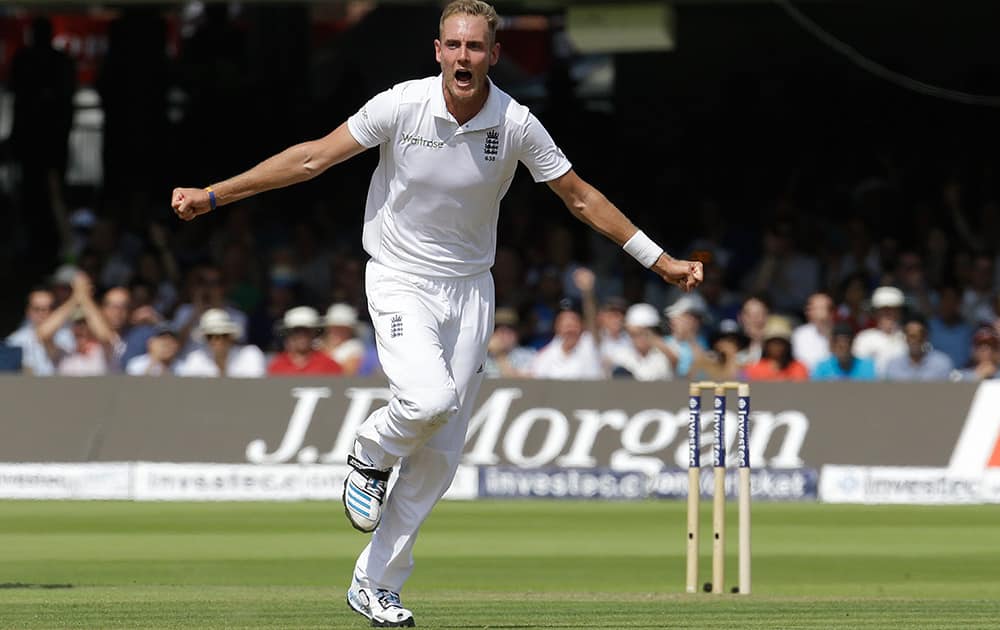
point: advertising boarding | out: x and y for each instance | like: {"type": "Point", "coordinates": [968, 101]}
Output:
{"type": "Point", "coordinates": [288, 439]}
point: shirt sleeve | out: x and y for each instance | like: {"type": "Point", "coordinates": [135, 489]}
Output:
{"type": "Point", "coordinates": [540, 154]}
{"type": "Point", "coordinates": [375, 121]}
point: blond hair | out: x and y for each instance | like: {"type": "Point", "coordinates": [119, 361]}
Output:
{"type": "Point", "coordinates": [475, 8]}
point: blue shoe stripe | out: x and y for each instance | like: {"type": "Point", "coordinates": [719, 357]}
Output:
{"type": "Point", "coordinates": [361, 504]}
{"type": "Point", "coordinates": [359, 496]}
{"type": "Point", "coordinates": [357, 508]}
{"type": "Point", "coordinates": [358, 491]}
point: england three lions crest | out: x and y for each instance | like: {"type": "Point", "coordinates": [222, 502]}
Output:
{"type": "Point", "coordinates": [492, 145]}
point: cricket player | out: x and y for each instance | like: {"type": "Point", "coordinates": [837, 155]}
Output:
{"type": "Point", "coordinates": [448, 148]}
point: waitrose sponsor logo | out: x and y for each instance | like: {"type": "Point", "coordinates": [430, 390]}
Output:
{"type": "Point", "coordinates": [501, 432]}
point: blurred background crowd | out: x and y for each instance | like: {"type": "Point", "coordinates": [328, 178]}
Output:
{"type": "Point", "coordinates": [849, 228]}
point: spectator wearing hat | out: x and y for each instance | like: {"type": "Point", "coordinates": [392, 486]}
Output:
{"type": "Point", "coordinates": [777, 362]}
{"type": "Point", "coordinates": [920, 362]}
{"type": "Point", "coordinates": [886, 340]}
{"type": "Point", "coordinates": [162, 350]}
{"type": "Point", "coordinates": [985, 362]}
{"type": "Point", "coordinates": [340, 340]}
{"type": "Point", "coordinates": [35, 358]}
{"type": "Point", "coordinates": [572, 354]}
{"type": "Point", "coordinates": [207, 291]}
{"type": "Point", "coordinates": [221, 354]}
{"type": "Point", "coordinates": [842, 365]}
{"type": "Point", "coordinates": [949, 332]}
{"type": "Point", "coordinates": [646, 359]}
{"type": "Point", "coordinates": [684, 341]}
{"type": "Point", "coordinates": [811, 340]}
{"type": "Point", "coordinates": [299, 328]}
{"type": "Point", "coordinates": [505, 357]}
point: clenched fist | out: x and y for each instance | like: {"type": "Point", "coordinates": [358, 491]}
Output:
{"type": "Point", "coordinates": [687, 274]}
{"type": "Point", "coordinates": [189, 203]}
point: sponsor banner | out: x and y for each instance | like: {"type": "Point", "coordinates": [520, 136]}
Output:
{"type": "Point", "coordinates": [906, 485]}
{"type": "Point", "coordinates": [618, 425]}
{"type": "Point", "coordinates": [554, 483]}
{"type": "Point", "coordinates": [766, 484]}
{"type": "Point", "coordinates": [247, 482]}
{"type": "Point", "coordinates": [607, 484]}
{"type": "Point", "coordinates": [64, 481]}
{"type": "Point", "coordinates": [236, 482]}
{"type": "Point", "coordinates": [144, 481]}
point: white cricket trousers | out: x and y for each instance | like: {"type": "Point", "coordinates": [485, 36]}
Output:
{"type": "Point", "coordinates": [431, 335]}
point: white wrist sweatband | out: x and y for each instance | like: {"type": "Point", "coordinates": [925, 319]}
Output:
{"type": "Point", "coordinates": [643, 249]}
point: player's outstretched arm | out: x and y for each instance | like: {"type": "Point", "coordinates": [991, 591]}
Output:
{"type": "Point", "coordinates": [295, 164]}
{"type": "Point", "coordinates": [593, 208]}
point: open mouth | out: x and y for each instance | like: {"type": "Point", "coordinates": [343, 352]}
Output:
{"type": "Point", "coordinates": [463, 77]}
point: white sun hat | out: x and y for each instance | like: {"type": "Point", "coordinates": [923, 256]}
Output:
{"type": "Point", "coordinates": [642, 315]}
{"type": "Point", "coordinates": [216, 321]}
{"type": "Point", "coordinates": [887, 297]}
{"type": "Point", "coordinates": [300, 317]}
{"type": "Point", "coordinates": [341, 315]}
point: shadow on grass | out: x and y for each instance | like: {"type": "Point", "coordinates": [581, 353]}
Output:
{"type": "Point", "coordinates": [4, 585]}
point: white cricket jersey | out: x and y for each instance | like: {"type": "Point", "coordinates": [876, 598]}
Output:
{"type": "Point", "coordinates": [434, 198]}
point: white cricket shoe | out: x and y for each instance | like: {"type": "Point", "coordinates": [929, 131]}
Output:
{"type": "Point", "coordinates": [364, 492]}
{"type": "Point", "coordinates": [381, 606]}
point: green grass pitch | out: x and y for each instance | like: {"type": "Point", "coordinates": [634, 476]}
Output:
{"type": "Point", "coordinates": [495, 565]}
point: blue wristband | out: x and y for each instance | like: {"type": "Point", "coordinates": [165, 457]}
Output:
{"type": "Point", "coordinates": [211, 197]}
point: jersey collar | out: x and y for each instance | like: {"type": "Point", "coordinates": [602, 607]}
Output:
{"type": "Point", "coordinates": [487, 118]}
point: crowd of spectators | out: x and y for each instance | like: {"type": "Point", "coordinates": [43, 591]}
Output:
{"type": "Point", "coordinates": [71, 329]}
{"type": "Point", "coordinates": [129, 304]}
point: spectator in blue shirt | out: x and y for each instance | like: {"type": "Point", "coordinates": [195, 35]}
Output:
{"type": "Point", "coordinates": [920, 362]}
{"type": "Point", "coordinates": [949, 332]}
{"type": "Point", "coordinates": [842, 365]}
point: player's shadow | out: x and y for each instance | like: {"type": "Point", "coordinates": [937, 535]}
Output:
{"type": "Point", "coordinates": [4, 585]}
